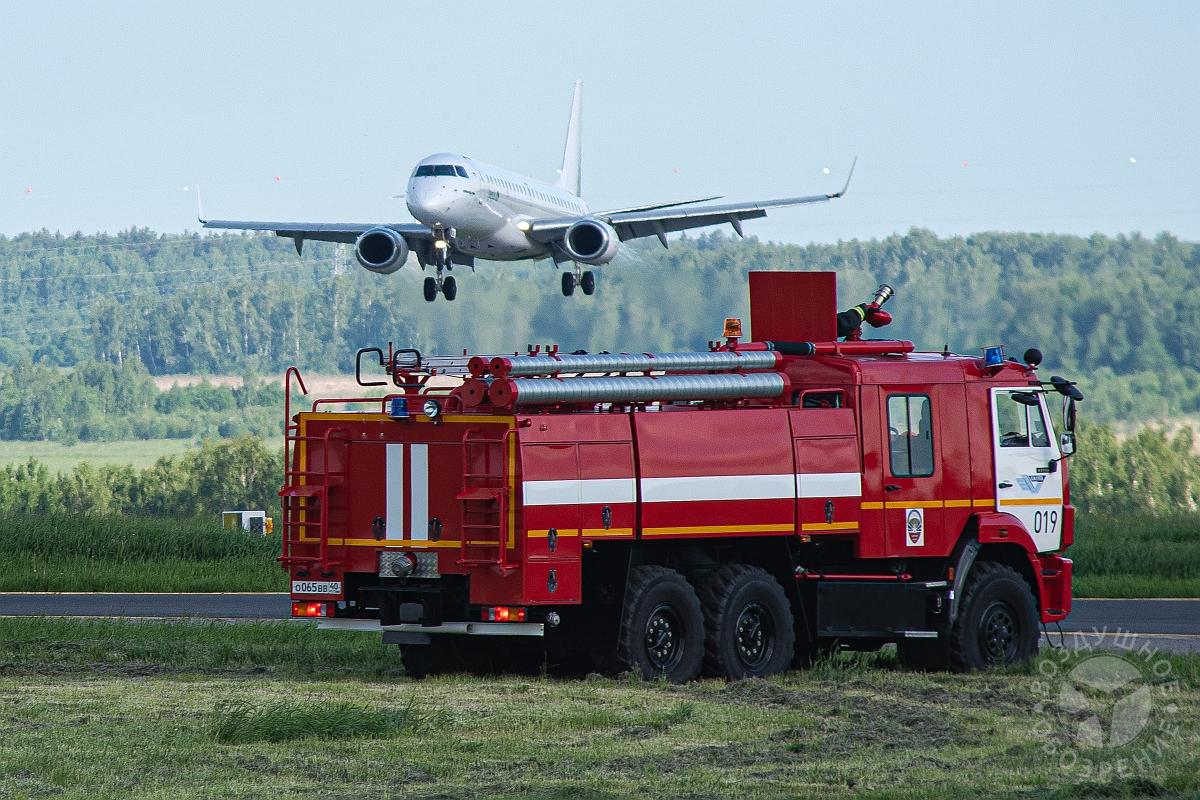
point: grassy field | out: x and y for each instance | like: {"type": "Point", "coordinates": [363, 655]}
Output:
{"type": "Point", "coordinates": [1114, 556]}
{"type": "Point", "coordinates": [134, 554]}
{"type": "Point", "coordinates": [58, 457]}
{"type": "Point", "coordinates": [1137, 556]}
{"type": "Point", "coordinates": [139, 453]}
{"type": "Point", "coordinates": [123, 710]}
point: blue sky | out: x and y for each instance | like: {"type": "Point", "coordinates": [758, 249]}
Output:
{"type": "Point", "coordinates": [1076, 117]}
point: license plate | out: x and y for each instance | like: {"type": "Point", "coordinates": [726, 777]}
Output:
{"type": "Point", "coordinates": [316, 587]}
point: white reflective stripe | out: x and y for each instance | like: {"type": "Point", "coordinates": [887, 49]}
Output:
{"type": "Point", "coordinates": [607, 490]}
{"type": "Point", "coordinates": [418, 461]}
{"type": "Point", "coordinates": [693, 488]}
{"type": "Point", "coordinates": [394, 524]}
{"type": "Point", "coordinates": [829, 484]}
{"type": "Point", "coordinates": [569, 493]}
{"type": "Point", "coordinates": [719, 487]}
{"type": "Point", "coordinates": [551, 493]}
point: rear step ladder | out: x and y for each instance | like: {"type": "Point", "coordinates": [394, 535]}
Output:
{"type": "Point", "coordinates": [485, 500]}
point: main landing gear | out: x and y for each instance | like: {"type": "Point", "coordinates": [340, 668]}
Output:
{"type": "Point", "coordinates": [585, 280]}
{"type": "Point", "coordinates": [445, 286]}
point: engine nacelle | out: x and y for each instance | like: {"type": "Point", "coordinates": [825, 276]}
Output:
{"type": "Point", "coordinates": [381, 250]}
{"type": "Point", "coordinates": [590, 241]}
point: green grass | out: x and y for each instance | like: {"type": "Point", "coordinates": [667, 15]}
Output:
{"type": "Point", "coordinates": [134, 554]}
{"type": "Point", "coordinates": [99, 721]}
{"type": "Point", "coordinates": [1134, 556]}
{"type": "Point", "coordinates": [1137, 556]}
{"type": "Point", "coordinates": [285, 721]}
{"type": "Point", "coordinates": [58, 457]}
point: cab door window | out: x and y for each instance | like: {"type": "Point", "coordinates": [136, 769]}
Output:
{"type": "Point", "coordinates": [1020, 425]}
{"type": "Point", "coordinates": [910, 434]}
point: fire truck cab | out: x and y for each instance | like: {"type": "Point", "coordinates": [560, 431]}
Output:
{"type": "Point", "coordinates": [730, 512]}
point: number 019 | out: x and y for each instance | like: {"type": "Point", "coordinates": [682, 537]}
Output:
{"type": "Point", "coordinates": [1045, 521]}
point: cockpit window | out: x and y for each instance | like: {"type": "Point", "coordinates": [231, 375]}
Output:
{"type": "Point", "coordinates": [442, 170]}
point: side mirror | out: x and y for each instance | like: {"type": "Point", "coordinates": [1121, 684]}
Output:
{"type": "Point", "coordinates": [1066, 443]}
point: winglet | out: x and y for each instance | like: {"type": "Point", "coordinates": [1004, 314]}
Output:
{"type": "Point", "coordinates": [199, 207]}
{"type": "Point", "coordinates": [847, 184]}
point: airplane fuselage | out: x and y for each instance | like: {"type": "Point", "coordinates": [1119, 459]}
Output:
{"type": "Point", "coordinates": [484, 205]}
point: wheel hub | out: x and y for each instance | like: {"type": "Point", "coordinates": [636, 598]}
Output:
{"type": "Point", "coordinates": [999, 634]}
{"type": "Point", "coordinates": [663, 638]}
{"type": "Point", "coordinates": [754, 636]}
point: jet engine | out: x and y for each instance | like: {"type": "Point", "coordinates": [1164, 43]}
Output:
{"type": "Point", "coordinates": [590, 241]}
{"type": "Point", "coordinates": [381, 250]}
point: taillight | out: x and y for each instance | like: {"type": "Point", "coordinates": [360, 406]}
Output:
{"type": "Point", "coordinates": [502, 614]}
{"type": "Point", "coordinates": [311, 610]}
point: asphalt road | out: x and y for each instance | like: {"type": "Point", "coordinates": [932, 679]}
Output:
{"type": "Point", "coordinates": [1168, 624]}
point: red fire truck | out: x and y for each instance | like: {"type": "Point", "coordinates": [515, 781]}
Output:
{"type": "Point", "coordinates": [731, 511]}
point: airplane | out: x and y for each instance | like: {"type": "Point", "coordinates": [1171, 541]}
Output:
{"type": "Point", "coordinates": [466, 209]}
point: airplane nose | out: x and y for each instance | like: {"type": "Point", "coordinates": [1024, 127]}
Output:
{"type": "Point", "coordinates": [429, 202]}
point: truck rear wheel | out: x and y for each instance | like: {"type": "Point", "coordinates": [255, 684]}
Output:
{"type": "Point", "coordinates": [662, 626]}
{"type": "Point", "coordinates": [748, 623]}
{"type": "Point", "coordinates": [997, 620]}
{"type": "Point", "coordinates": [423, 660]}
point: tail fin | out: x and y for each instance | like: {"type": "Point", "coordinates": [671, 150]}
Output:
{"type": "Point", "coordinates": [569, 175]}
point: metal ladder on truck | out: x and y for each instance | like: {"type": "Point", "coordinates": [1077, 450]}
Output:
{"type": "Point", "coordinates": [305, 492]}
{"type": "Point", "coordinates": [485, 500]}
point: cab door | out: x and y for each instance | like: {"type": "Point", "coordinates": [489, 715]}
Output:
{"type": "Point", "coordinates": [1028, 481]}
{"type": "Point", "coordinates": [913, 507]}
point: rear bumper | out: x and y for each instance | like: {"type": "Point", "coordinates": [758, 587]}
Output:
{"type": "Point", "coordinates": [459, 628]}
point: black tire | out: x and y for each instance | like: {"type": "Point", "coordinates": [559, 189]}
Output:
{"type": "Point", "coordinates": [430, 290]}
{"type": "Point", "coordinates": [997, 621]}
{"type": "Point", "coordinates": [449, 288]}
{"type": "Point", "coordinates": [662, 626]}
{"type": "Point", "coordinates": [423, 660]}
{"type": "Point", "coordinates": [748, 625]}
{"type": "Point", "coordinates": [927, 655]}
{"type": "Point", "coordinates": [568, 284]}
{"type": "Point", "coordinates": [587, 282]}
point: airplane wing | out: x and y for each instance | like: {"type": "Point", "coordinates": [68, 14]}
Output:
{"type": "Point", "coordinates": [634, 224]}
{"type": "Point", "coordinates": [346, 232]}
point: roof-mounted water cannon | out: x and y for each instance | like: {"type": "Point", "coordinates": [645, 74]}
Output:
{"type": "Point", "coordinates": [849, 322]}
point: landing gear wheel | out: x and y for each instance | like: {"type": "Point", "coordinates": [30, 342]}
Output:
{"type": "Point", "coordinates": [430, 290]}
{"type": "Point", "coordinates": [748, 623]}
{"type": "Point", "coordinates": [997, 620]}
{"type": "Point", "coordinates": [587, 282]}
{"type": "Point", "coordinates": [568, 284]}
{"type": "Point", "coordinates": [662, 626]}
{"type": "Point", "coordinates": [449, 288]}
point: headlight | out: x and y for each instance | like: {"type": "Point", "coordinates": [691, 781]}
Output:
{"type": "Point", "coordinates": [431, 409]}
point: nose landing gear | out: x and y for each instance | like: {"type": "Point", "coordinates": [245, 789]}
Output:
{"type": "Point", "coordinates": [446, 286]}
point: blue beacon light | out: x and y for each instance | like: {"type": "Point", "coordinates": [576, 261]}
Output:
{"type": "Point", "coordinates": [399, 408]}
{"type": "Point", "coordinates": [993, 356]}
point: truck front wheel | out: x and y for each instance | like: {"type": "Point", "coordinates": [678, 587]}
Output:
{"type": "Point", "coordinates": [997, 620]}
{"type": "Point", "coordinates": [662, 627]}
{"type": "Point", "coordinates": [748, 623]}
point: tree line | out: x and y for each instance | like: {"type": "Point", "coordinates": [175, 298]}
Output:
{"type": "Point", "coordinates": [1116, 313]}
{"type": "Point", "coordinates": [100, 401]}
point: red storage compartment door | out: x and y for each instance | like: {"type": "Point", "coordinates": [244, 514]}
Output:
{"type": "Point", "coordinates": [726, 472]}
{"type": "Point", "coordinates": [828, 470]}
